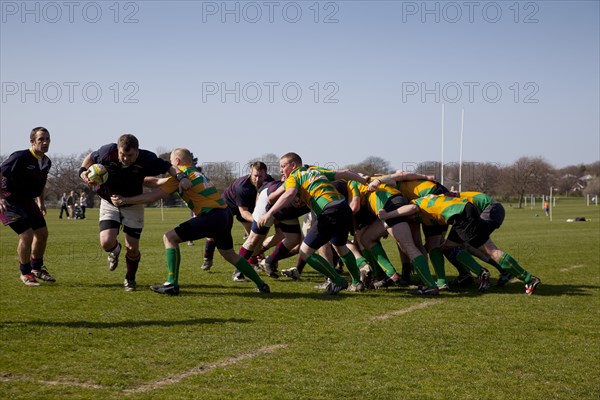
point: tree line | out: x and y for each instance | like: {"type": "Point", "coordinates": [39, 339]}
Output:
{"type": "Point", "coordinates": [526, 176]}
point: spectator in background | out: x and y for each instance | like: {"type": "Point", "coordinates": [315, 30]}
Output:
{"type": "Point", "coordinates": [71, 205]}
{"type": "Point", "coordinates": [63, 206]}
{"type": "Point", "coordinates": [83, 203]}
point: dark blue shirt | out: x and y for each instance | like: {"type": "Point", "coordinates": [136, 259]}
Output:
{"type": "Point", "coordinates": [242, 193]}
{"type": "Point", "coordinates": [23, 175]}
{"type": "Point", "coordinates": [127, 181]}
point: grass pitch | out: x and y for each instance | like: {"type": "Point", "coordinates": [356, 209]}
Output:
{"type": "Point", "coordinates": [85, 338]}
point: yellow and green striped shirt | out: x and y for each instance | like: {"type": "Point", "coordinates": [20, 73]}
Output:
{"type": "Point", "coordinates": [314, 187]}
{"type": "Point", "coordinates": [377, 199]}
{"type": "Point", "coordinates": [478, 199]}
{"type": "Point", "coordinates": [201, 197]}
{"type": "Point", "coordinates": [414, 189]}
{"type": "Point", "coordinates": [438, 209]}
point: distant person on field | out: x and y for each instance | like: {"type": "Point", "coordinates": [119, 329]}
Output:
{"type": "Point", "coordinates": [71, 205]}
{"type": "Point", "coordinates": [23, 178]}
{"type": "Point", "coordinates": [83, 204]}
{"type": "Point", "coordinates": [63, 206]}
{"type": "Point", "coordinates": [547, 207]}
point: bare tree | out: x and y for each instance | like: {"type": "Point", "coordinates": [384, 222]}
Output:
{"type": "Point", "coordinates": [371, 166]}
{"type": "Point", "coordinates": [526, 176]}
{"type": "Point", "coordinates": [221, 173]}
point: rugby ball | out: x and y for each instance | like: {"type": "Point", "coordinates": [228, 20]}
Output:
{"type": "Point", "coordinates": [97, 173]}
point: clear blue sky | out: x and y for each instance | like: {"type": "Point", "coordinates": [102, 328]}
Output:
{"type": "Point", "coordinates": [373, 76]}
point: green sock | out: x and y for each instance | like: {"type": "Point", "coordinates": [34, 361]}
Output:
{"type": "Point", "coordinates": [350, 263]}
{"type": "Point", "coordinates": [361, 262]}
{"type": "Point", "coordinates": [437, 260]}
{"type": "Point", "coordinates": [382, 259]}
{"type": "Point", "coordinates": [321, 265]}
{"type": "Point", "coordinates": [510, 264]}
{"type": "Point", "coordinates": [468, 261]}
{"type": "Point", "coordinates": [244, 267]}
{"type": "Point", "coordinates": [422, 268]}
{"type": "Point", "coordinates": [173, 261]}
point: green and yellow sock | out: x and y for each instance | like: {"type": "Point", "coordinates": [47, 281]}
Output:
{"type": "Point", "coordinates": [321, 265]}
{"type": "Point", "coordinates": [422, 268]}
{"type": "Point", "coordinates": [350, 263]}
{"type": "Point", "coordinates": [466, 259]}
{"type": "Point", "coordinates": [173, 262]}
{"type": "Point", "coordinates": [437, 260]}
{"type": "Point", "coordinates": [244, 267]}
{"type": "Point", "coordinates": [511, 265]}
{"type": "Point", "coordinates": [382, 259]}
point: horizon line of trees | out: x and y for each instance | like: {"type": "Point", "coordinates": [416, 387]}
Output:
{"type": "Point", "coordinates": [525, 177]}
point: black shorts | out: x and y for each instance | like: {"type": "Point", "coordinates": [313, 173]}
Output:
{"type": "Point", "coordinates": [364, 217]}
{"type": "Point", "coordinates": [332, 225]}
{"type": "Point", "coordinates": [215, 224]}
{"type": "Point", "coordinates": [23, 214]}
{"type": "Point", "coordinates": [433, 230]}
{"type": "Point", "coordinates": [494, 215]}
{"type": "Point", "coordinates": [392, 204]}
{"type": "Point", "coordinates": [468, 227]}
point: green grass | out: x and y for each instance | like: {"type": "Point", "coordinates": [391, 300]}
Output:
{"type": "Point", "coordinates": [85, 330]}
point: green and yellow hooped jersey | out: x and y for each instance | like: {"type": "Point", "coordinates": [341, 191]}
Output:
{"type": "Point", "coordinates": [414, 189]}
{"type": "Point", "coordinates": [438, 209]}
{"type": "Point", "coordinates": [314, 187]}
{"type": "Point", "coordinates": [478, 199]}
{"type": "Point", "coordinates": [201, 197]}
{"type": "Point", "coordinates": [377, 199]}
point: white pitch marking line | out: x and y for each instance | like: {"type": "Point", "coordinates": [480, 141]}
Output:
{"type": "Point", "coordinates": [412, 308]}
{"type": "Point", "coordinates": [204, 368]}
{"type": "Point", "coordinates": [11, 378]}
{"type": "Point", "coordinates": [567, 269]}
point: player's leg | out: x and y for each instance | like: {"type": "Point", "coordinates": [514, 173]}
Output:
{"type": "Point", "coordinates": [133, 224]}
{"type": "Point", "coordinates": [508, 263]}
{"type": "Point", "coordinates": [110, 223]}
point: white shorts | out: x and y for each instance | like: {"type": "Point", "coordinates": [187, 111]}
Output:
{"type": "Point", "coordinates": [260, 208]}
{"type": "Point", "coordinates": [131, 216]}
{"type": "Point", "coordinates": [310, 220]}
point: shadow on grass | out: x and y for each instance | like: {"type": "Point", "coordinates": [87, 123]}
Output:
{"type": "Point", "coordinates": [130, 324]}
{"type": "Point", "coordinates": [544, 289]}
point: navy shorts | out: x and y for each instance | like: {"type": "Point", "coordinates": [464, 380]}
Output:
{"type": "Point", "coordinates": [23, 214]}
{"type": "Point", "coordinates": [332, 225]}
{"type": "Point", "coordinates": [215, 224]}
{"type": "Point", "coordinates": [468, 227]}
{"type": "Point", "coordinates": [392, 204]}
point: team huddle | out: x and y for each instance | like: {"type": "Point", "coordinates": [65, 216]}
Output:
{"type": "Point", "coordinates": [333, 204]}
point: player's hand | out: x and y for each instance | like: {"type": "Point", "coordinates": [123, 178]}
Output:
{"type": "Point", "coordinates": [382, 214]}
{"type": "Point", "coordinates": [117, 200]}
{"type": "Point", "coordinates": [85, 178]}
{"type": "Point", "coordinates": [263, 220]}
{"type": "Point", "coordinates": [2, 205]}
{"type": "Point", "coordinates": [373, 185]}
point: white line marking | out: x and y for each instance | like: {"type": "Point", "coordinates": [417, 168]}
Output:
{"type": "Point", "coordinates": [4, 377]}
{"type": "Point", "coordinates": [572, 267]}
{"type": "Point", "coordinates": [204, 368]}
{"type": "Point", "coordinates": [412, 308]}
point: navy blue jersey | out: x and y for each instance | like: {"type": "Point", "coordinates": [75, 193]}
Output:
{"type": "Point", "coordinates": [128, 181]}
{"type": "Point", "coordinates": [242, 193]}
{"type": "Point", "coordinates": [24, 175]}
